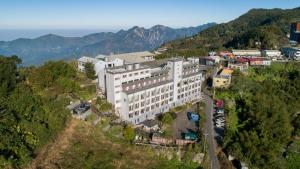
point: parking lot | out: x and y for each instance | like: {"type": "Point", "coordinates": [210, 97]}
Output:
{"type": "Point", "coordinates": [183, 125]}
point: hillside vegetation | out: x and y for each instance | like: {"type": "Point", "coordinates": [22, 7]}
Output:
{"type": "Point", "coordinates": [32, 107]}
{"type": "Point", "coordinates": [258, 28]}
{"type": "Point", "coordinates": [263, 116]}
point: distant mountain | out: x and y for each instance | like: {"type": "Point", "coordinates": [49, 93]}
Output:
{"type": "Point", "coordinates": [51, 47]}
{"type": "Point", "coordinates": [258, 28]}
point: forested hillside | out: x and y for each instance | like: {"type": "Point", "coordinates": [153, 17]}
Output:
{"type": "Point", "coordinates": [32, 107]}
{"type": "Point", "coordinates": [258, 28]}
{"type": "Point", "coordinates": [263, 121]}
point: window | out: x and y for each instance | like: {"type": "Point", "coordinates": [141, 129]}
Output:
{"type": "Point", "coordinates": [142, 104]}
{"type": "Point", "coordinates": [148, 108]}
{"type": "Point", "coordinates": [130, 107]}
{"type": "Point", "coordinates": [153, 100]}
{"type": "Point", "coordinates": [130, 75]}
{"type": "Point", "coordinates": [117, 78]}
{"type": "Point", "coordinates": [142, 111]}
{"type": "Point", "coordinates": [124, 76]}
{"type": "Point", "coordinates": [137, 106]}
{"type": "Point", "coordinates": [157, 105]}
{"type": "Point", "coordinates": [130, 115]}
{"type": "Point", "coordinates": [136, 74]}
{"type": "Point", "coordinates": [136, 113]}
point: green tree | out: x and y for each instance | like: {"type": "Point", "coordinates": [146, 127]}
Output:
{"type": "Point", "coordinates": [129, 133]}
{"type": "Point", "coordinates": [167, 118]}
{"type": "Point", "coordinates": [89, 70]}
{"type": "Point", "coordinates": [8, 74]}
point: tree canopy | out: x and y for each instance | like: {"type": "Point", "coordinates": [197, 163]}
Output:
{"type": "Point", "coordinates": [29, 118]}
{"type": "Point", "coordinates": [263, 114]}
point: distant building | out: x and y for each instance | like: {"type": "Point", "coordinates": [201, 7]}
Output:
{"type": "Point", "coordinates": [271, 53]}
{"type": "Point", "coordinates": [226, 54]}
{"type": "Point", "coordinates": [212, 60]}
{"type": "Point", "coordinates": [291, 52]}
{"type": "Point", "coordinates": [249, 53]}
{"type": "Point", "coordinates": [259, 62]}
{"type": "Point", "coordinates": [295, 32]}
{"type": "Point", "coordinates": [240, 66]}
{"type": "Point", "coordinates": [83, 60]}
{"type": "Point", "coordinates": [223, 79]}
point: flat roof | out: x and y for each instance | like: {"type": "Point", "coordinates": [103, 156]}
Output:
{"type": "Point", "coordinates": [133, 57]}
{"type": "Point", "coordinates": [124, 68]}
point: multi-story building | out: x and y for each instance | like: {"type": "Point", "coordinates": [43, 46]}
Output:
{"type": "Point", "coordinates": [295, 32]}
{"type": "Point", "coordinates": [140, 92]}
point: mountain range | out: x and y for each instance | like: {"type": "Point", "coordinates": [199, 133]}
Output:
{"type": "Point", "coordinates": [52, 47]}
{"type": "Point", "coordinates": [256, 29]}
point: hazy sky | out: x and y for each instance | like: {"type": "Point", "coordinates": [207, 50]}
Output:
{"type": "Point", "coordinates": [116, 14]}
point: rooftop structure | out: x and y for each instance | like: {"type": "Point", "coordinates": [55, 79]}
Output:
{"type": "Point", "coordinates": [83, 60]}
{"type": "Point", "coordinates": [134, 57]}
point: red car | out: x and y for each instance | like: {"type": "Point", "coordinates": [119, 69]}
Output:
{"type": "Point", "coordinates": [219, 103]}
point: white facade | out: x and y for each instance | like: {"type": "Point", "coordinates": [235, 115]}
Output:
{"type": "Point", "coordinates": [246, 52]}
{"type": "Point", "coordinates": [100, 70]}
{"type": "Point", "coordinates": [83, 60]}
{"type": "Point", "coordinates": [271, 53]}
{"type": "Point", "coordinates": [139, 92]}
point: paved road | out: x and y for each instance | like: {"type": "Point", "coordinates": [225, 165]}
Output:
{"type": "Point", "coordinates": [209, 130]}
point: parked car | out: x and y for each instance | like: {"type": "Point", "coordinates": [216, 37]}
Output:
{"type": "Point", "coordinates": [219, 103]}
{"type": "Point", "coordinates": [220, 125]}
{"type": "Point", "coordinates": [220, 111]}
{"type": "Point", "coordinates": [219, 119]}
{"type": "Point", "coordinates": [190, 136]}
{"type": "Point", "coordinates": [219, 116]}
{"type": "Point", "coordinates": [193, 116]}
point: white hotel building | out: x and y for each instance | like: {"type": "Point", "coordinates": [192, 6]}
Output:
{"type": "Point", "coordinates": [139, 92]}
